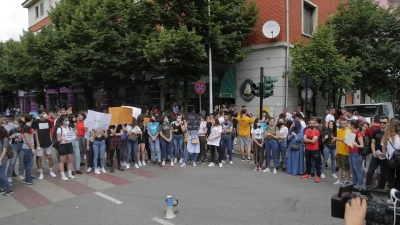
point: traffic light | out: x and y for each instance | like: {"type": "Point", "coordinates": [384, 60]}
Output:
{"type": "Point", "coordinates": [269, 86]}
{"type": "Point", "coordinates": [256, 89]}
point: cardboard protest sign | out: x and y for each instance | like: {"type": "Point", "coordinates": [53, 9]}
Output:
{"type": "Point", "coordinates": [120, 115]}
{"type": "Point", "coordinates": [96, 120]}
{"type": "Point", "coordinates": [193, 121]}
{"type": "Point", "coordinates": [135, 111]}
{"type": "Point", "coordinates": [146, 120]}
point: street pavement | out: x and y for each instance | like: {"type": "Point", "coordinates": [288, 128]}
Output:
{"type": "Point", "coordinates": [233, 194]}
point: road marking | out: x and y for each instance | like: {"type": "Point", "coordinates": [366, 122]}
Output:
{"type": "Point", "coordinates": [163, 222]}
{"type": "Point", "coordinates": [108, 198]}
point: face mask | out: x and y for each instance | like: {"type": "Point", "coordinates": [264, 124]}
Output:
{"type": "Point", "coordinates": [337, 124]}
{"type": "Point", "coordinates": [66, 123]}
{"type": "Point", "coordinates": [153, 120]}
{"type": "Point", "coordinates": [179, 119]}
{"type": "Point", "coordinates": [280, 123]}
{"type": "Point", "coordinates": [166, 120]}
{"type": "Point", "coordinates": [45, 116]}
{"type": "Point", "coordinates": [258, 124]}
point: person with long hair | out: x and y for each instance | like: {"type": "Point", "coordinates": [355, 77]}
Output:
{"type": "Point", "coordinates": [154, 140]}
{"type": "Point", "coordinates": [64, 136]}
{"type": "Point", "coordinates": [115, 145]}
{"type": "Point", "coordinates": [202, 132]}
{"type": "Point", "coordinates": [271, 145]}
{"type": "Point", "coordinates": [257, 134]}
{"type": "Point", "coordinates": [355, 157]}
{"type": "Point", "coordinates": [214, 140]}
{"type": "Point", "coordinates": [141, 154]}
{"type": "Point", "coordinates": [5, 187]}
{"type": "Point", "coordinates": [282, 142]}
{"type": "Point", "coordinates": [16, 143]}
{"type": "Point", "coordinates": [133, 129]}
{"type": "Point", "coordinates": [178, 130]}
{"type": "Point", "coordinates": [329, 141]}
{"type": "Point", "coordinates": [391, 142]}
{"type": "Point", "coordinates": [99, 149]}
{"type": "Point", "coordinates": [75, 144]}
{"type": "Point", "coordinates": [80, 135]}
{"type": "Point", "coordinates": [295, 159]}
{"type": "Point", "coordinates": [166, 139]}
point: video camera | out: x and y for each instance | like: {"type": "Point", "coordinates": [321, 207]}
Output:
{"type": "Point", "coordinates": [379, 212]}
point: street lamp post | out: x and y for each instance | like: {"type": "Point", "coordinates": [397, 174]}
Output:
{"type": "Point", "coordinates": [210, 64]}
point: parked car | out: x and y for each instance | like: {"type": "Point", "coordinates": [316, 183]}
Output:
{"type": "Point", "coordinates": [369, 110]}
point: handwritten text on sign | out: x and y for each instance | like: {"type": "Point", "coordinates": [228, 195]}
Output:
{"type": "Point", "coordinates": [193, 122]}
{"type": "Point", "coordinates": [120, 115]}
{"type": "Point", "coordinates": [95, 120]}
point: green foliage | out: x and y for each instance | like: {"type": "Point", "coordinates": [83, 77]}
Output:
{"type": "Point", "coordinates": [320, 59]}
{"type": "Point", "coordinates": [365, 30]}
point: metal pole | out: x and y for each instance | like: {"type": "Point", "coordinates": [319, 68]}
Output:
{"type": "Point", "coordinates": [287, 55]}
{"type": "Point", "coordinates": [261, 90]}
{"type": "Point", "coordinates": [210, 64]}
{"type": "Point", "coordinates": [199, 103]}
{"type": "Point", "coordinates": [305, 114]}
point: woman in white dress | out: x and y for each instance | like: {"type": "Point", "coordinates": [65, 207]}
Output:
{"type": "Point", "coordinates": [193, 147]}
{"type": "Point", "coordinates": [213, 141]}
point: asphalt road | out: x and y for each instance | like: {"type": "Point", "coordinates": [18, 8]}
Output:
{"type": "Point", "coordinates": [233, 194]}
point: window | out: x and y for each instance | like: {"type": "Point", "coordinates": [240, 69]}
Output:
{"type": "Point", "coordinates": [37, 11]}
{"type": "Point", "coordinates": [309, 18]}
{"type": "Point", "coordinates": [41, 9]}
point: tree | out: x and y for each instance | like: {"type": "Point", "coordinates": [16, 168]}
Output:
{"type": "Point", "coordinates": [320, 59]}
{"type": "Point", "coordinates": [365, 30]}
{"type": "Point", "coordinates": [187, 27]}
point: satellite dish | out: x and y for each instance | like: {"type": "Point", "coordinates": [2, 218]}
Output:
{"type": "Point", "coordinates": [271, 29]}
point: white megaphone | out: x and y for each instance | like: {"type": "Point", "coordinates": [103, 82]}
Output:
{"type": "Point", "coordinates": [171, 202]}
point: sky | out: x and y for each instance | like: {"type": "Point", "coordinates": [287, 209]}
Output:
{"type": "Point", "coordinates": [14, 19]}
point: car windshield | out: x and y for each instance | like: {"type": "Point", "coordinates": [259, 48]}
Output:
{"type": "Point", "coordinates": [364, 110]}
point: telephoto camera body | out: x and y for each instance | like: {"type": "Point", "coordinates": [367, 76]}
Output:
{"type": "Point", "coordinates": [379, 212]}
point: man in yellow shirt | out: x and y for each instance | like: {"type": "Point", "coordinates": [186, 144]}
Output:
{"type": "Point", "coordinates": [245, 119]}
{"type": "Point", "coordinates": [342, 152]}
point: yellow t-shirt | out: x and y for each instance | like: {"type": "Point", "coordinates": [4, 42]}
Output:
{"type": "Point", "coordinates": [342, 148]}
{"type": "Point", "coordinates": [244, 123]}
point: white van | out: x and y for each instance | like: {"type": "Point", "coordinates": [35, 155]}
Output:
{"type": "Point", "coordinates": [369, 110]}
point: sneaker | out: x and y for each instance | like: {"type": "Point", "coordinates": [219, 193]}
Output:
{"type": "Point", "coordinates": [71, 176]}
{"type": "Point", "coordinates": [248, 159]}
{"type": "Point", "coordinates": [128, 166]}
{"type": "Point", "coordinates": [9, 192]}
{"type": "Point", "coordinates": [223, 161]}
{"type": "Point", "coordinates": [230, 162]}
{"type": "Point", "coordinates": [194, 164]}
{"type": "Point", "coordinates": [220, 165]}
{"type": "Point", "coordinates": [267, 170]}
{"type": "Point", "coordinates": [88, 170]}
{"type": "Point", "coordinates": [21, 177]}
{"type": "Point", "coordinates": [338, 182]}
{"type": "Point", "coordinates": [143, 163]}
{"type": "Point", "coordinates": [136, 166]}
{"type": "Point", "coordinates": [123, 164]}
{"type": "Point", "coordinates": [317, 179]}
{"type": "Point", "coordinates": [334, 176]}
{"type": "Point", "coordinates": [275, 170]}
{"type": "Point", "coordinates": [64, 178]}
{"type": "Point", "coordinates": [9, 179]}
{"type": "Point", "coordinates": [160, 164]}
{"type": "Point", "coordinates": [211, 165]}
{"type": "Point", "coordinates": [140, 164]}
{"type": "Point", "coordinates": [103, 170]}
{"type": "Point", "coordinates": [259, 169]}
{"type": "Point", "coordinates": [29, 182]}
{"type": "Point", "coordinates": [305, 176]}
{"type": "Point", "coordinates": [175, 160]}
{"type": "Point", "coordinates": [163, 163]}
{"type": "Point", "coordinates": [323, 176]}
{"type": "Point", "coordinates": [183, 165]}
{"type": "Point", "coordinates": [2, 191]}
{"type": "Point", "coordinates": [255, 169]}
{"type": "Point", "coordinates": [243, 158]}
{"type": "Point", "coordinates": [181, 161]}
{"type": "Point", "coordinates": [52, 174]}
{"type": "Point", "coordinates": [41, 176]}
{"type": "Point", "coordinates": [97, 171]}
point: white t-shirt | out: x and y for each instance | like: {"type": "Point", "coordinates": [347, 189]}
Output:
{"type": "Point", "coordinates": [215, 130]}
{"type": "Point", "coordinates": [303, 124]}
{"type": "Point", "coordinates": [258, 133]}
{"type": "Point", "coordinates": [135, 129]}
{"type": "Point", "coordinates": [67, 133]}
{"type": "Point", "coordinates": [283, 132]}
{"type": "Point", "coordinates": [389, 147]}
{"type": "Point", "coordinates": [329, 117]}
{"type": "Point", "coordinates": [202, 128]}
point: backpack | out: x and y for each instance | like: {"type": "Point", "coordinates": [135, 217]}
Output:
{"type": "Point", "coordinates": [56, 144]}
{"type": "Point", "coordinates": [367, 144]}
{"type": "Point", "coordinates": [394, 161]}
{"type": "Point", "coordinates": [360, 150]}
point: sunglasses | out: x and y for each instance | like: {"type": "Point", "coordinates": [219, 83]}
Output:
{"type": "Point", "coordinates": [383, 122]}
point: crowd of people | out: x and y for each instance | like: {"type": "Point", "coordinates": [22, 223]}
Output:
{"type": "Point", "coordinates": [294, 144]}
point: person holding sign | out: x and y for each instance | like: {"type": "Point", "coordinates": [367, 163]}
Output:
{"type": "Point", "coordinates": [355, 156]}
{"type": "Point", "coordinates": [115, 145]}
{"type": "Point", "coordinates": [99, 149]}
{"type": "Point", "coordinates": [154, 140]}
{"type": "Point", "coordinates": [64, 136]}
{"type": "Point", "coordinates": [134, 134]}
{"type": "Point", "coordinates": [178, 129]}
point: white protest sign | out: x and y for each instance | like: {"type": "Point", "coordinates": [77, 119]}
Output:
{"type": "Point", "coordinates": [96, 120]}
{"type": "Point", "coordinates": [135, 111]}
{"type": "Point", "coordinates": [349, 138]}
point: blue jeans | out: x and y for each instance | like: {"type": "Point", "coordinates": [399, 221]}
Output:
{"type": "Point", "coordinates": [271, 146]}
{"type": "Point", "coordinates": [178, 145]}
{"type": "Point", "coordinates": [194, 157]}
{"type": "Point", "coordinates": [3, 179]}
{"type": "Point", "coordinates": [20, 154]}
{"type": "Point", "coordinates": [28, 165]}
{"type": "Point", "coordinates": [132, 146]}
{"type": "Point", "coordinates": [124, 149]}
{"type": "Point", "coordinates": [355, 160]}
{"type": "Point", "coordinates": [155, 149]}
{"type": "Point", "coordinates": [166, 149]}
{"type": "Point", "coordinates": [99, 148]}
{"type": "Point", "coordinates": [77, 154]}
{"type": "Point", "coordinates": [226, 142]}
{"type": "Point", "coordinates": [282, 147]}
{"type": "Point", "coordinates": [328, 151]}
